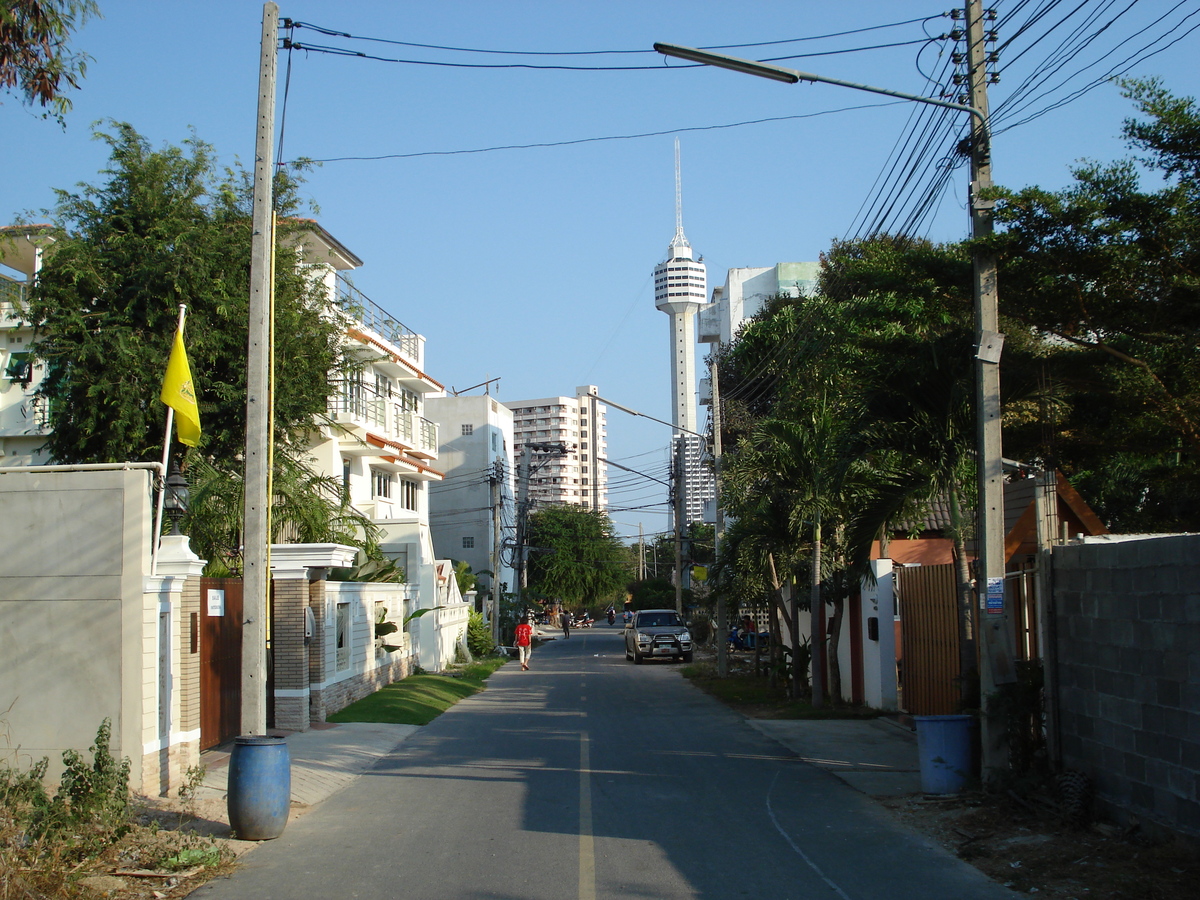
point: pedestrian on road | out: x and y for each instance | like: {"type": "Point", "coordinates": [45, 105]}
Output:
{"type": "Point", "coordinates": [524, 639]}
{"type": "Point", "coordinates": [566, 623]}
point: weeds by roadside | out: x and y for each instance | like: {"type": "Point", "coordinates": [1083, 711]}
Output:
{"type": "Point", "coordinates": [85, 836]}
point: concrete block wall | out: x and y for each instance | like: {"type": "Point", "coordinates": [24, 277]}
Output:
{"type": "Point", "coordinates": [1127, 616]}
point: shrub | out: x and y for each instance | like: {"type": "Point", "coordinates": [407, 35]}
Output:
{"type": "Point", "coordinates": [479, 636]}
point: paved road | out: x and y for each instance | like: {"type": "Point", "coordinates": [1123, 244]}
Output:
{"type": "Point", "coordinates": [590, 777]}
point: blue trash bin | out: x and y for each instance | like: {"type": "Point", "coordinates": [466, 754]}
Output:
{"type": "Point", "coordinates": [944, 750]}
{"type": "Point", "coordinates": [260, 787]}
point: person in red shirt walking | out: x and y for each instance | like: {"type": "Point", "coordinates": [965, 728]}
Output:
{"type": "Point", "coordinates": [524, 639]}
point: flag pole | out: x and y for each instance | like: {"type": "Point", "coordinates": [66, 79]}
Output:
{"type": "Point", "coordinates": [162, 488]}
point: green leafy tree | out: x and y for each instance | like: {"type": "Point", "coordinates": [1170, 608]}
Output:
{"type": "Point", "coordinates": [575, 557]}
{"type": "Point", "coordinates": [167, 227]}
{"type": "Point", "coordinates": [36, 60]}
{"type": "Point", "coordinates": [1106, 271]}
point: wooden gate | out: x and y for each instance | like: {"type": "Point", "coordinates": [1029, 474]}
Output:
{"type": "Point", "coordinates": [927, 600]}
{"type": "Point", "coordinates": [220, 660]}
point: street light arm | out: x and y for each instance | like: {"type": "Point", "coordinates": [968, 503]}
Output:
{"type": "Point", "coordinates": [634, 412]}
{"type": "Point", "coordinates": [792, 76]}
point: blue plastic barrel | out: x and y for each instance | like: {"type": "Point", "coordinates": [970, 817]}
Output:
{"type": "Point", "coordinates": [944, 750]}
{"type": "Point", "coordinates": [260, 787]}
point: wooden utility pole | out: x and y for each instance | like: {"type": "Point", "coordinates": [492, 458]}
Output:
{"type": "Point", "coordinates": [995, 653]}
{"type": "Point", "coordinates": [256, 565]}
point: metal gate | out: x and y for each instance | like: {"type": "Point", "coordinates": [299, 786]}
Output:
{"type": "Point", "coordinates": [220, 637]}
{"type": "Point", "coordinates": [927, 600]}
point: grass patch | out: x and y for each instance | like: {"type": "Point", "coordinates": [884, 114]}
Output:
{"type": "Point", "coordinates": [419, 699]}
{"type": "Point", "coordinates": [753, 696]}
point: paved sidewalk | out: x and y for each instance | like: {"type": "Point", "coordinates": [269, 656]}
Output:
{"type": "Point", "coordinates": [324, 759]}
{"type": "Point", "coordinates": [876, 756]}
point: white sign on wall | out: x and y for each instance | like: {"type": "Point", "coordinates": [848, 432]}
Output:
{"type": "Point", "coordinates": [216, 602]}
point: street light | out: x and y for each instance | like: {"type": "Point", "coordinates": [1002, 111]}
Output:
{"type": "Point", "coordinates": [175, 497]}
{"type": "Point", "coordinates": [996, 658]}
{"type": "Point", "coordinates": [794, 76]}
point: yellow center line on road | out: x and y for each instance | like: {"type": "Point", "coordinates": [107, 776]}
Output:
{"type": "Point", "coordinates": [587, 847]}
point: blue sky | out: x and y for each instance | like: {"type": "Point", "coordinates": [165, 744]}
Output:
{"type": "Point", "coordinates": [534, 265]}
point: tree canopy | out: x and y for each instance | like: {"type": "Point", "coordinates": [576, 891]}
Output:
{"type": "Point", "coordinates": [575, 557]}
{"type": "Point", "coordinates": [36, 60]}
{"type": "Point", "coordinates": [167, 227]}
{"type": "Point", "coordinates": [1105, 275]}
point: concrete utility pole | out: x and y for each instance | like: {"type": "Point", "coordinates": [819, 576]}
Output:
{"type": "Point", "coordinates": [256, 565]}
{"type": "Point", "coordinates": [677, 496]}
{"type": "Point", "coordinates": [719, 528]}
{"type": "Point", "coordinates": [995, 653]}
{"type": "Point", "coordinates": [524, 468]}
{"type": "Point", "coordinates": [522, 514]}
{"type": "Point", "coordinates": [497, 479]}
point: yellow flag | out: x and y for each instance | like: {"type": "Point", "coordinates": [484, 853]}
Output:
{"type": "Point", "coordinates": [179, 393]}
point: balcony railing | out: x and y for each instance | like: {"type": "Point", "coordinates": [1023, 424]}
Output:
{"type": "Point", "coordinates": [386, 417]}
{"type": "Point", "coordinates": [12, 300]}
{"type": "Point", "coordinates": [416, 431]}
{"type": "Point", "coordinates": [362, 309]}
{"type": "Point", "coordinates": [360, 403]}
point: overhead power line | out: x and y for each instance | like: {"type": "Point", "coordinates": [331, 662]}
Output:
{"type": "Point", "coordinates": [593, 140]}
{"type": "Point", "coordinates": [329, 32]}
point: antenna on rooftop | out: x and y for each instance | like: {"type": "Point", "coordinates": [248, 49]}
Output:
{"type": "Point", "coordinates": [680, 239]}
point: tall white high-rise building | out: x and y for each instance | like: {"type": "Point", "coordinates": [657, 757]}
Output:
{"type": "Point", "coordinates": [580, 424]}
{"type": "Point", "coordinates": [680, 289]}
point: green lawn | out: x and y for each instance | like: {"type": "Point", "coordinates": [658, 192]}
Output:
{"type": "Point", "coordinates": [419, 699]}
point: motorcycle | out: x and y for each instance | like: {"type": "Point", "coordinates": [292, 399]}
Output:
{"type": "Point", "coordinates": [612, 616]}
{"type": "Point", "coordinates": [747, 640]}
